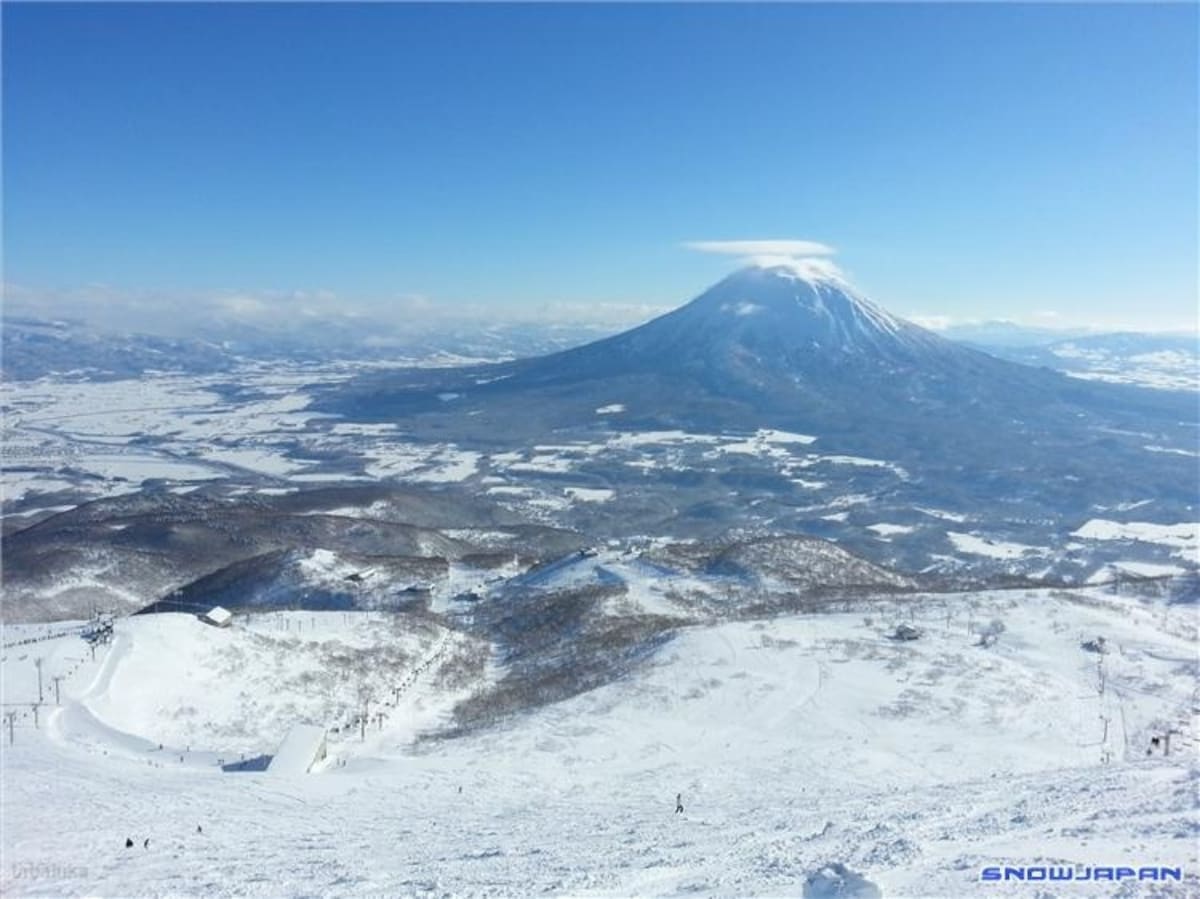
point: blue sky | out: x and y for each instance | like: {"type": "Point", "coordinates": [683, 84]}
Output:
{"type": "Point", "coordinates": [1036, 163]}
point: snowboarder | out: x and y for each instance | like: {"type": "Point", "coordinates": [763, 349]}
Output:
{"type": "Point", "coordinates": [679, 803]}
{"type": "Point", "coordinates": [129, 842]}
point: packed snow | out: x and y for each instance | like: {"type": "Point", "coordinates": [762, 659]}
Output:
{"type": "Point", "coordinates": [807, 750]}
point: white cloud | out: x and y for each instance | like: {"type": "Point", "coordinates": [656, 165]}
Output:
{"type": "Point", "coordinates": [598, 314]}
{"type": "Point", "coordinates": [806, 258]}
{"type": "Point", "coordinates": [1049, 322]}
{"type": "Point", "coordinates": [788, 249]}
{"type": "Point", "coordinates": [176, 313]}
{"type": "Point", "coordinates": [932, 322]}
{"type": "Point", "coordinates": [806, 267]}
{"type": "Point", "coordinates": [216, 313]}
{"type": "Point", "coordinates": [242, 306]}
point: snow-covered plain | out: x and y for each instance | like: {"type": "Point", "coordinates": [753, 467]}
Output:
{"type": "Point", "coordinates": [1184, 537]}
{"type": "Point", "coordinates": [984, 546]}
{"type": "Point", "coordinates": [795, 742]}
{"type": "Point", "coordinates": [106, 438]}
{"type": "Point", "coordinates": [67, 441]}
{"type": "Point", "coordinates": [1163, 370]}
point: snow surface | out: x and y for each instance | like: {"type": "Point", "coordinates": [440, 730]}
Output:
{"type": "Point", "coordinates": [1162, 370]}
{"type": "Point", "coordinates": [301, 749]}
{"type": "Point", "coordinates": [1107, 572]}
{"type": "Point", "coordinates": [985, 546]}
{"type": "Point", "coordinates": [590, 494]}
{"type": "Point", "coordinates": [799, 744]}
{"type": "Point", "coordinates": [1184, 537]}
{"type": "Point", "coordinates": [887, 530]}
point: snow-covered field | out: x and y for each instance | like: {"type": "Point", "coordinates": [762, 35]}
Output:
{"type": "Point", "coordinates": [796, 743]}
{"type": "Point", "coordinates": [108, 437]}
{"type": "Point", "coordinates": [1162, 370]}
{"type": "Point", "coordinates": [982, 546]}
{"type": "Point", "coordinates": [67, 441]}
{"type": "Point", "coordinates": [1184, 537]}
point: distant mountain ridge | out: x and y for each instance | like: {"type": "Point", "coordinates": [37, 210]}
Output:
{"type": "Point", "coordinates": [1162, 361]}
{"type": "Point", "coordinates": [1010, 335]}
{"type": "Point", "coordinates": [40, 347]}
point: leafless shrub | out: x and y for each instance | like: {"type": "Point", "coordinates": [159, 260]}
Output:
{"type": "Point", "coordinates": [556, 646]}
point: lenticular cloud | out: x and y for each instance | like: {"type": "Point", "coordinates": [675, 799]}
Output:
{"type": "Point", "coordinates": [777, 248]}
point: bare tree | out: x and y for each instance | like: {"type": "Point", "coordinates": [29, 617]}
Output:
{"type": "Point", "coordinates": [365, 695]}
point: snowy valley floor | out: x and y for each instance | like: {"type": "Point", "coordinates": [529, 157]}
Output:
{"type": "Point", "coordinates": [796, 743]}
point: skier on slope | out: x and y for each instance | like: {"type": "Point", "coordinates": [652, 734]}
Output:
{"type": "Point", "coordinates": [679, 803]}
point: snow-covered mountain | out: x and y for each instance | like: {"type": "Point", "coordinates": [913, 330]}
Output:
{"type": "Point", "coordinates": [801, 744]}
{"type": "Point", "coordinates": [780, 316]}
{"type": "Point", "coordinates": [783, 345]}
{"type": "Point", "coordinates": [1027, 450]}
{"type": "Point", "coordinates": [787, 343]}
{"type": "Point", "coordinates": [1162, 361]}
{"type": "Point", "coordinates": [998, 333]}
{"type": "Point", "coordinates": [763, 328]}
{"type": "Point", "coordinates": [39, 347]}
{"type": "Point", "coordinates": [33, 348]}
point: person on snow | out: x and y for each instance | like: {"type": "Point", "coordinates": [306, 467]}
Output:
{"type": "Point", "coordinates": [679, 803]}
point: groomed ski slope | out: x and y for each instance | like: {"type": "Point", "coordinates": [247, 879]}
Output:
{"type": "Point", "coordinates": [796, 743]}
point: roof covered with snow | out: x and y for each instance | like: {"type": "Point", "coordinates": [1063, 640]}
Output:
{"type": "Point", "coordinates": [219, 615]}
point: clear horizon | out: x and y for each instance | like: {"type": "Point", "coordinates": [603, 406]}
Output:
{"type": "Point", "coordinates": [1035, 164]}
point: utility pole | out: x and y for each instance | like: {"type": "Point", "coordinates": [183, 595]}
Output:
{"type": "Point", "coordinates": [37, 663]}
{"type": "Point", "coordinates": [57, 680]}
{"type": "Point", "coordinates": [35, 715]}
{"type": "Point", "coordinates": [10, 717]}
